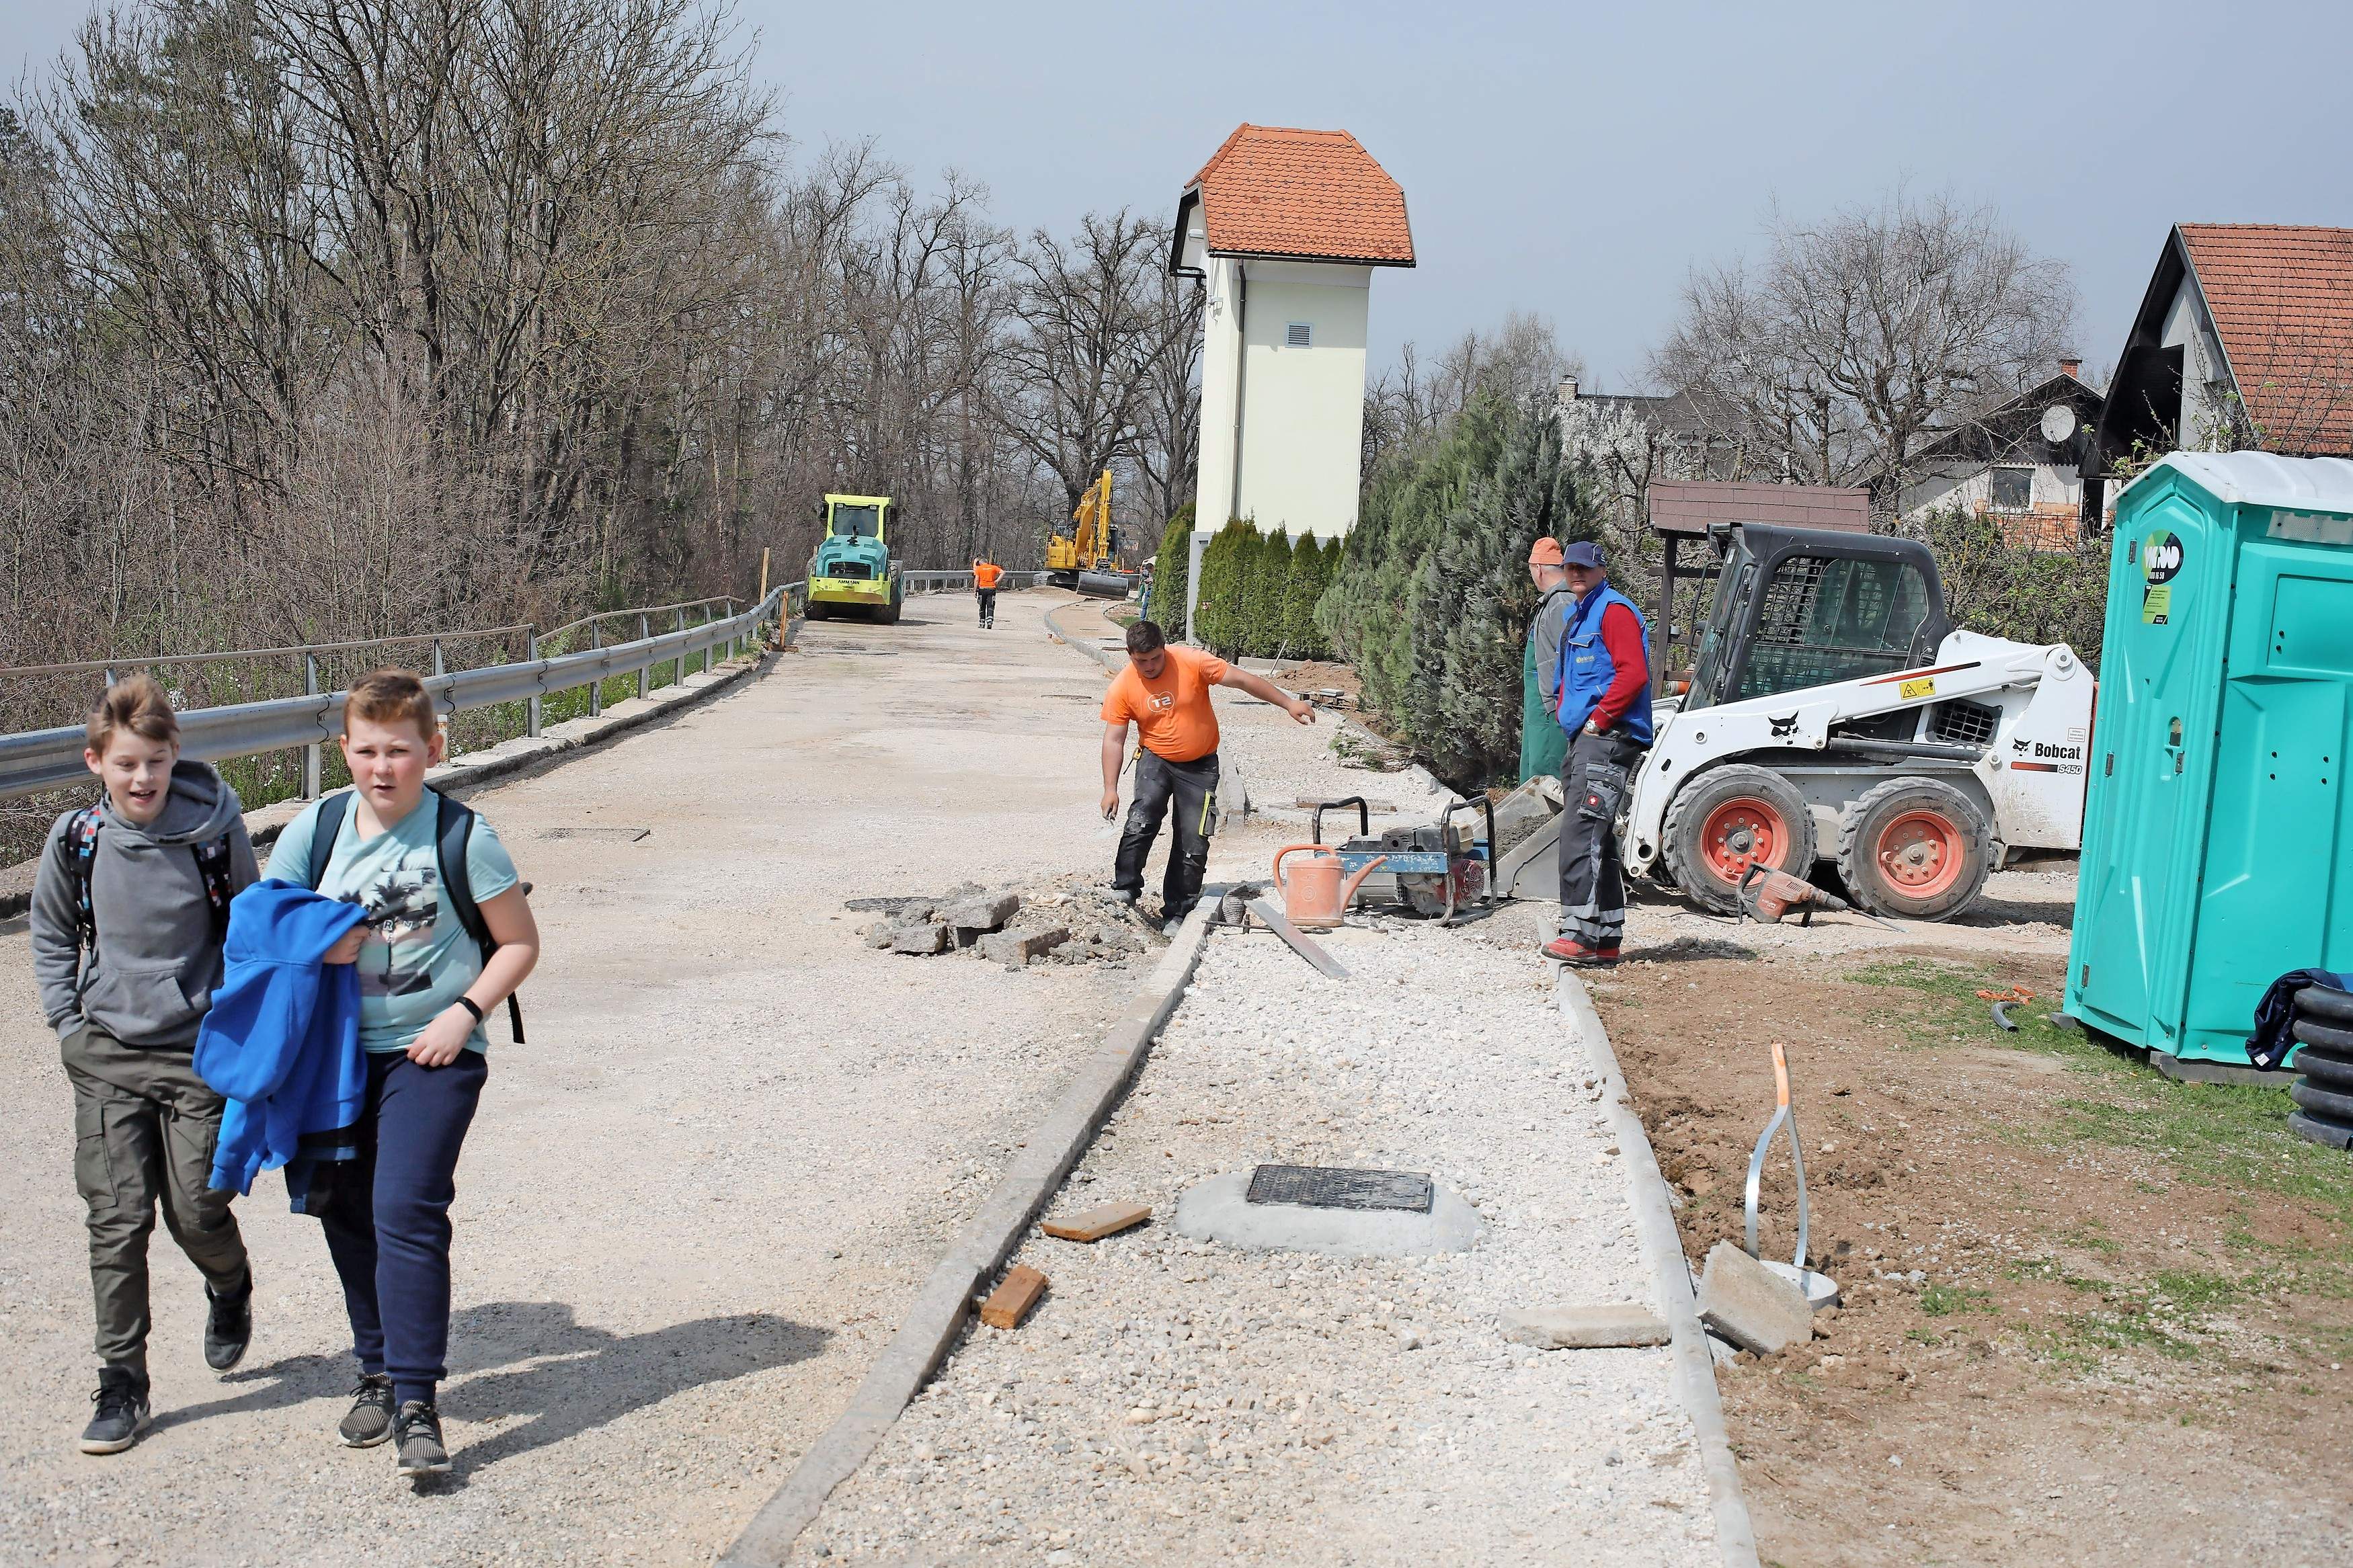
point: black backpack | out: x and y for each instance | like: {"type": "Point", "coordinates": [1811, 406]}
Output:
{"type": "Point", "coordinates": [81, 847]}
{"type": "Point", "coordinates": [453, 828]}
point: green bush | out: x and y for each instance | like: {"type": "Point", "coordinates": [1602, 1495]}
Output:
{"type": "Point", "coordinates": [1432, 598]}
{"type": "Point", "coordinates": [1169, 570]}
{"type": "Point", "coordinates": [1217, 623]}
{"type": "Point", "coordinates": [2006, 590]}
{"type": "Point", "coordinates": [1266, 586]}
{"type": "Point", "coordinates": [1310, 574]}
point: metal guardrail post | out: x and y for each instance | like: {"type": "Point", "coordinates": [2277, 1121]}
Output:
{"type": "Point", "coordinates": [678, 671]}
{"type": "Point", "coordinates": [309, 752]}
{"type": "Point", "coordinates": [644, 670]}
{"type": "Point", "coordinates": [531, 708]}
{"type": "Point", "coordinates": [595, 683]}
{"type": "Point", "coordinates": [438, 667]}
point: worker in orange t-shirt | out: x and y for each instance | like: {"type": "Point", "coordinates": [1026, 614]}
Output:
{"type": "Point", "coordinates": [984, 576]}
{"type": "Point", "coordinates": [1165, 692]}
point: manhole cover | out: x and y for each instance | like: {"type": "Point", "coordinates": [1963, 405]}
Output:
{"type": "Point", "coordinates": [1332, 1188]}
{"type": "Point", "coordinates": [615, 834]}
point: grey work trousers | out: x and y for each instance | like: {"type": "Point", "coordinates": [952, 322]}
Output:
{"type": "Point", "coordinates": [144, 1129]}
{"type": "Point", "coordinates": [1594, 781]}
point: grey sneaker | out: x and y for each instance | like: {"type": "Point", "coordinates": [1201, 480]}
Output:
{"type": "Point", "coordinates": [370, 1421]}
{"type": "Point", "coordinates": [122, 1401]}
{"type": "Point", "coordinates": [417, 1428]}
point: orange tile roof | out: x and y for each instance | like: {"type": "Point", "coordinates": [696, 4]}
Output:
{"type": "Point", "coordinates": [2282, 300]}
{"type": "Point", "coordinates": [1316, 195]}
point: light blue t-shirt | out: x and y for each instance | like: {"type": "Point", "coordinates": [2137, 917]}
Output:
{"type": "Point", "coordinates": [417, 959]}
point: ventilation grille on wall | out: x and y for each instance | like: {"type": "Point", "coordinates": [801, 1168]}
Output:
{"type": "Point", "coordinates": [1298, 335]}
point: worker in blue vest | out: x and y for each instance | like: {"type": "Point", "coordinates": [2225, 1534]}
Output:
{"type": "Point", "coordinates": [1604, 681]}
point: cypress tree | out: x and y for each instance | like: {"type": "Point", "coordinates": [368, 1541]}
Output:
{"type": "Point", "coordinates": [1303, 639]}
{"type": "Point", "coordinates": [1217, 606]}
{"type": "Point", "coordinates": [1265, 593]}
{"type": "Point", "coordinates": [1169, 570]}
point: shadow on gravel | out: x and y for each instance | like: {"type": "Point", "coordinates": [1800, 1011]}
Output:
{"type": "Point", "coordinates": [1690, 950]}
{"type": "Point", "coordinates": [290, 1381]}
{"type": "Point", "coordinates": [602, 1375]}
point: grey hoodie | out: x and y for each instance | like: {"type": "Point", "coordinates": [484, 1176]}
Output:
{"type": "Point", "coordinates": [157, 961]}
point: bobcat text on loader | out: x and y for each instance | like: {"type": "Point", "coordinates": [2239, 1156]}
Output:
{"type": "Point", "coordinates": [1835, 713]}
{"type": "Point", "coordinates": [852, 569]}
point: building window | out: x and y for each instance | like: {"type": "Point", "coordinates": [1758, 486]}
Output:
{"type": "Point", "coordinates": [1298, 335]}
{"type": "Point", "coordinates": [2012, 489]}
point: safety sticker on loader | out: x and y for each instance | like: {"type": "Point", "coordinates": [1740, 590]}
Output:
{"type": "Point", "coordinates": [1923, 686]}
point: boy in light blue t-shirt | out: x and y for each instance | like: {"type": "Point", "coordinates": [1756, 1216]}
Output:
{"type": "Point", "coordinates": [425, 989]}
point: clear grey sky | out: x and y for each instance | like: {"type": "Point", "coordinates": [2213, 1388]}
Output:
{"type": "Point", "coordinates": [1577, 158]}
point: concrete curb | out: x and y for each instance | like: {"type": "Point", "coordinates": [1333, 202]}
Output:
{"type": "Point", "coordinates": [1694, 1363]}
{"type": "Point", "coordinates": [938, 1315]}
{"type": "Point", "coordinates": [477, 770]}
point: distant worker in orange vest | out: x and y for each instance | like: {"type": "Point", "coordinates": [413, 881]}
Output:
{"type": "Point", "coordinates": [986, 576]}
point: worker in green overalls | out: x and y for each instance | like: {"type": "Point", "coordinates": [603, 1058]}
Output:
{"type": "Point", "coordinates": [1542, 743]}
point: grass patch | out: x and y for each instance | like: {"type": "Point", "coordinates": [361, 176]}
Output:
{"type": "Point", "coordinates": [1949, 1301]}
{"type": "Point", "coordinates": [2196, 1290]}
{"type": "Point", "coordinates": [2116, 1331]}
{"type": "Point", "coordinates": [1955, 1011]}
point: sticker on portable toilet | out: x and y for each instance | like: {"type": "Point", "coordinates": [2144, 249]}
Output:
{"type": "Point", "coordinates": [2160, 562]}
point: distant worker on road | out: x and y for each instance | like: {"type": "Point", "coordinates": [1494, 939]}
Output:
{"type": "Point", "coordinates": [1602, 682]}
{"type": "Point", "coordinates": [986, 574]}
{"type": "Point", "coordinates": [1165, 692]}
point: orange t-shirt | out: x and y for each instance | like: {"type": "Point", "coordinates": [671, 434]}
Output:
{"type": "Point", "coordinates": [1173, 712]}
{"type": "Point", "coordinates": [984, 575]}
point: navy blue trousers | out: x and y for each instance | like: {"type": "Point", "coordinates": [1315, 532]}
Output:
{"type": "Point", "coordinates": [389, 1226]}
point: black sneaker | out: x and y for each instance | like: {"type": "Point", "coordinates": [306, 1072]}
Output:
{"type": "Point", "coordinates": [122, 1401]}
{"type": "Point", "coordinates": [418, 1429]}
{"type": "Point", "coordinates": [370, 1421]}
{"type": "Point", "coordinates": [228, 1326]}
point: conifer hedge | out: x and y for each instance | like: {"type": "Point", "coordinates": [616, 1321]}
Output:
{"type": "Point", "coordinates": [1431, 598]}
{"type": "Point", "coordinates": [1169, 570]}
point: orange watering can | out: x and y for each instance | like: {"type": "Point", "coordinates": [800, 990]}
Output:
{"type": "Point", "coordinates": [1313, 897]}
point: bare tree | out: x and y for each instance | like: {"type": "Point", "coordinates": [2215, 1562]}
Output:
{"type": "Point", "coordinates": [1862, 336]}
{"type": "Point", "coordinates": [1168, 450]}
{"type": "Point", "coordinates": [1082, 345]}
{"type": "Point", "coordinates": [1522, 361]}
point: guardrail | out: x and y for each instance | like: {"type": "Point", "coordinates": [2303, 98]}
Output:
{"type": "Point", "coordinates": [37, 759]}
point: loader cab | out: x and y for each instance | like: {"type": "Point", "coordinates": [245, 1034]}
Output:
{"type": "Point", "coordinates": [1798, 607]}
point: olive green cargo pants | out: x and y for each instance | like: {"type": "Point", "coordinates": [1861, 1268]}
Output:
{"type": "Point", "coordinates": [145, 1128]}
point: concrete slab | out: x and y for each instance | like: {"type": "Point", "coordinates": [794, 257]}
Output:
{"type": "Point", "coordinates": [1750, 1305]}
{"type": "Point", "coordinates": [1217, 1210]}
{"type": "Point", "coordinates": [1606, 1325]}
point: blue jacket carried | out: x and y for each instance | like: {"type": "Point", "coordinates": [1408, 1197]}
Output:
{"type": "Point", "coordinates": [282, 1040]}
{"type": "Point", "coordinates": [1586, 670]}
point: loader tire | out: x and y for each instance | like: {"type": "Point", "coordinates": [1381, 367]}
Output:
{"type": "Point", "coordinates": [818, 612]}
{"type": "Point", "coordinates": [1727, 819]}
{"type": "Point", "coordinates": [1913, 847]}
{"type": "Point", "coordinates": [2318, 1003]}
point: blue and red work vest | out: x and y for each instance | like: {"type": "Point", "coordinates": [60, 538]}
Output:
{"type": "Point", "coordinates": [1586, 669]}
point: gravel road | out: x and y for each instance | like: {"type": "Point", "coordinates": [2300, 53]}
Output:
{"type": "Point", "coordinates": [1173, 1401]}
{"type": "Point", "coordinates": [694, 1204]}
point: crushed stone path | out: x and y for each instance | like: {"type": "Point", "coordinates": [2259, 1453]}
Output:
{"type": "Point", "coordinates": [1173, 1401]}
{"type": "Point", "coordinates": [699, 1200]}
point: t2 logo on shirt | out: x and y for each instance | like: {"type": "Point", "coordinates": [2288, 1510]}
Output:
{"type": "Point", "coordinates": [1163, 701]}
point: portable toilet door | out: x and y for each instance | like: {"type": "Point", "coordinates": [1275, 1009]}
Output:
{"type": "Point", "coordinates": [2216, 853]}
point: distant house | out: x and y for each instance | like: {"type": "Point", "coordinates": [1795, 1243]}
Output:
{"type": "Point", "coordinates": [2245, 338]}
{"type": "Point", "coordinates": [2019, 465]}
{"type": "Point", "coordinates": [1689, 432]}
{"type": "Point", "coordinates": [1284, 229]}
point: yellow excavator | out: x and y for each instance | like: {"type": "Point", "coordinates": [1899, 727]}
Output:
{"type": "Point", "coordinates": [1084, 552]}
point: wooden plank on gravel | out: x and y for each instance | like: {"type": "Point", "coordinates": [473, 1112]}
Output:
{"type": "Point", "coordinates": [1094, 1224]}
{"type": "Point", "coordinates": [1011, 1300]}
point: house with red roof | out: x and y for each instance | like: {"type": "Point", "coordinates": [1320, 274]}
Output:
{"type": "Point", "coordinates": [1284, 229]}
{"type": "Point", "coordinates": [2243, 340]}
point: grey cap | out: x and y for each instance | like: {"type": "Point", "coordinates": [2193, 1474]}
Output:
{"type": "Point", "coordinates": [1581, 554]}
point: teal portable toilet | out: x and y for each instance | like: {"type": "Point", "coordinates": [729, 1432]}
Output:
{"type": "Point", "coordinates": [2217, 853]}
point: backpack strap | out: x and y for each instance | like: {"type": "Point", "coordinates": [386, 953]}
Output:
{"type": "Point", "coordinates": [81, 847]}
{"type": "Point", "coordinates": [214, 865]}
{"type": "Point", "coordinates": [325, 829]}
{"type": "Point", "coordinates": [453, 829]}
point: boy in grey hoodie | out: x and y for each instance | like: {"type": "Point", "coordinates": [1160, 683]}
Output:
{"type": "Point", "coordinates": [127, 918]}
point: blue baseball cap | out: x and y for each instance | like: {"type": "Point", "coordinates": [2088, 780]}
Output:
{"type": "Point", "coordinates": [1581, 554]}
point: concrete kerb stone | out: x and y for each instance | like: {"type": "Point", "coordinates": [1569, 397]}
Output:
{"type": "Point", "coordinates": [1694, 1363]}
{"type": "Point", "coordinates": [938, 1315]}
{"type": "Point", "coordinates": [460, 776]}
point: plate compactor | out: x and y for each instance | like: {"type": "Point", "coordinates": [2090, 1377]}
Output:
{"type": "Point", "coordinates": [1433, 870]}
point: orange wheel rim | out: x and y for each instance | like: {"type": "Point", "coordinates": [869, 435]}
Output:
{"type": "Point", "coordinates": [1743, 833]}
{"type": "Point", "coordinates": [1920, 854]}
